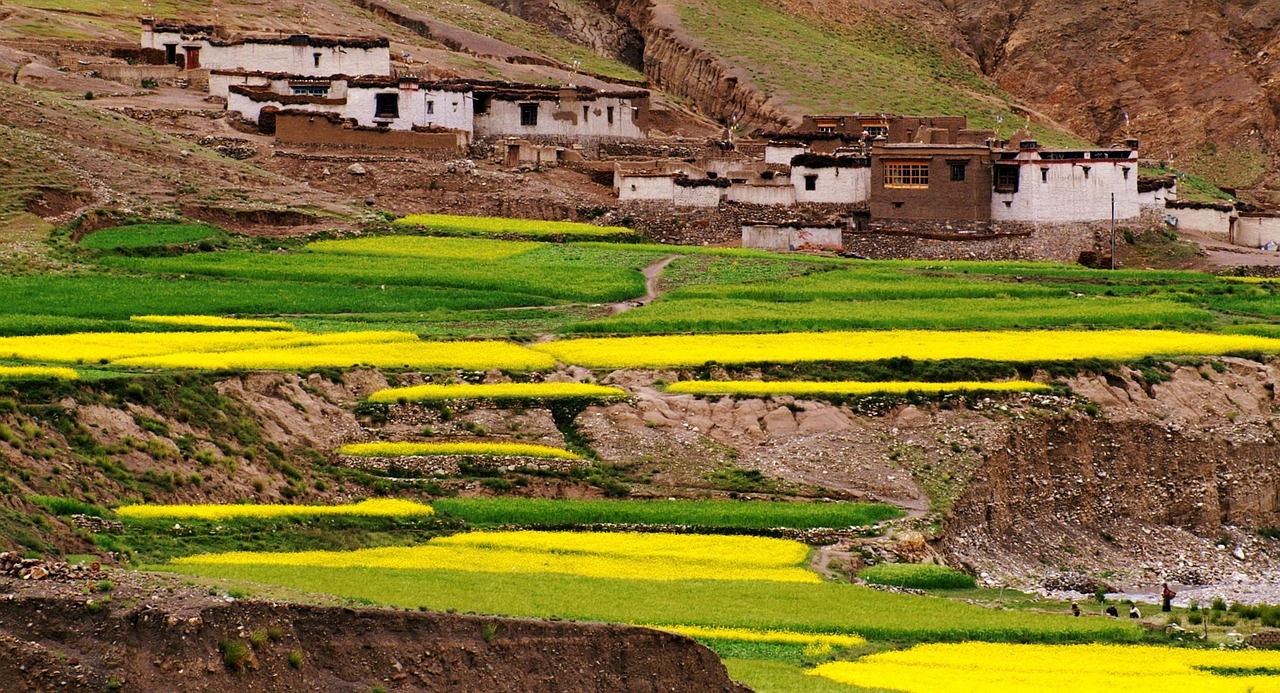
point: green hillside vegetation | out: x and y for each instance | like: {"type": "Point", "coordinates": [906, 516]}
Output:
{"type": "Point", "coordinates": [479, 17]}
{"type": "Point", "coordinates": [872, 66]}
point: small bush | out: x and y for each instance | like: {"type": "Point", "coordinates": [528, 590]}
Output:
{"type": "Point", "coordinates": [915, 576]}
{"type": "Point", "coordinates": [1195, 618]}
{"type": "Point", "coordinates": [257, 639]}
{"type": "Point", "coordinates": [295, 659]}
{"type": "Point", "coordinates": [235, 654]}
{"type": "Point", "coordinates": [104, 586]}
{"type": "Point", "coordinates": [275, 633]}
{"type": "Point", "coordinates": [1218, 604]}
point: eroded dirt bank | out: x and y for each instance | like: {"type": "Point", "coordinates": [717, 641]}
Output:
{"type": "Point", "coordinates": [156, 635]}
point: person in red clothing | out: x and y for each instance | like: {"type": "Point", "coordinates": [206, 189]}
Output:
{"type": "Point", "coordinates": [1166, 598]}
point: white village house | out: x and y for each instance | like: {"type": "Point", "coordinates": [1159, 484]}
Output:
{"type": "Point", "coordinates": [194, 47]}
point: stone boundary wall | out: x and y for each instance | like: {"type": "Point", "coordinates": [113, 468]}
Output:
{"type": "Point", "coordinates": [323, 129]}
{"type": "Point", "coordinates": [721, 225]}
{"type": "Point", "coordinates": [449, 465]}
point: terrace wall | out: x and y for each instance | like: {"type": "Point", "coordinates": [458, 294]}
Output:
{"type": "Point", "coordinates": [943, 240]}
{"type": "Point", "coordinates": [332, 130]}
{"type": "Point", "coordinates": [1216, 221]}
{"type": "Point", "coordinates": [791, 238]}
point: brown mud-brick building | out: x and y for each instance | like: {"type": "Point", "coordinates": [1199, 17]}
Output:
{"type": "Point", "coordinates": [932, 168]}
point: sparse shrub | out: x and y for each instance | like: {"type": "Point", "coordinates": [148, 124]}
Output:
{"type": "Point", "coordinates": [295, 659]}
{"type": "Point", "coordinates": [275, 633]}
{"type": "Point", "coordinates": [489, 631]}
{"type": "Point", "coordinates": [1195, 618]}
{"type": "Point", "coordinates": [1218, 604]}
{"type": "Point", "coordinates": [235, 654]}
{"type": "Point", "coordinates": [257, 639]}
{"type": "Point", "coordinates": [916, 576]}
{"type": "Point", "coordinates": [104, 586]}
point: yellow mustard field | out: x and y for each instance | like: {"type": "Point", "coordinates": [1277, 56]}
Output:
{"type": "Point", "coordinates": [426, 247]}
{"type": "Point", "coordinates": [999, 668]}
{"type": "Point", "coordinates": [792, 387]}
{"type": "Point", "coordinates": [426, 393]}
{"type": "Point", "coordinates": [786, 637]}
{"type": "Point", "coordinates": [38, 372]}
{"type": "Point", "coordinates": [380, 507]}
{"type": "Point", "coordinates": [213, 321]}
{"type": "Point", "coordinates": [619, 555]}
{"type": "Point", "coordinates": [103, 347]}
{"type": "Point", "coordinates": [412, 354]}
{"type": "Point", "coordinates": [489, 449]}
{"type": "Point", "coordinates": [1013, 346]}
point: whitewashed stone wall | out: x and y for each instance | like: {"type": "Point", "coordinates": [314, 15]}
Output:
{"type": "Point", "coordinates": [648, 188]}
{"type": "Point", "coordinates": [1257, 232]}
{"type": "Point", "coordinates": [834, 185]}
{"type": "Point", "coordinates": [782, 153]}
{"type": "Point", "coordinates": [1068, 194]}
{"type": "Point", "coordinates": [762, 194]}
{"type": "Point", "coordinates": [278, 55]}
{"type": "Point", "coordinates": [1209, 221]}
{"type": "Point", "coordinates": [561, 119]}
{"type": "Point", "coordinates": [701, 196]}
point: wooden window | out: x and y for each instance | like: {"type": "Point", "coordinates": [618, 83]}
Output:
{"type": "Point", "coordinates": [609, 114]}
{"type": "Point", "coordinates": [1006, 179]}
{"type": "Point", "coordinates": [529, 114]}
{"type": "Point", "coordinates": [316, 57]}
{"type": "Point", "coordinates": [811, 182]}
{"type": "Point", "coordinates": [906, 174]}
{"type": "Point", "coordinates": [386, 106]}
{"type": "Point", "coordinates": [585, 110]}
{"type": "Point", "coordinates": [431, 107]}
{"type": "Point", "coordinates": [958, 172]}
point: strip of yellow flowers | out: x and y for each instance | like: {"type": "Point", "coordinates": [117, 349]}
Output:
{"type": "Point", "coordinates": [425, 247]}
{"type": "Point", "coordinates": [414, 354]}
{"type": "Point", "coordinates": [986, 667]}
{"type": "Point", "coordinates": [426, 393]}
{"type": "Point", "coordinates": [784, 637]}
{"type": "Point", "coordinates": [795, 347]}
{"type": "Point", "coordinates": [758, 387]}
{"type": "Point", "coordinates": [492, 449]}
{"type": "Point", "coordinates": [615, 555]}
{"type": "Point", "coordinates": [213, 321]}
{"type": "Point", "coordinates": [38, 372]}
{"type": "Point", "coordinates": [116, 346]}
{"type": "Point", "coordinates": [385, 507]}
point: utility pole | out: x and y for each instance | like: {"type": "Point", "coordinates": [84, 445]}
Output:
{"type": "Point", "coordinates": [1113, 231]}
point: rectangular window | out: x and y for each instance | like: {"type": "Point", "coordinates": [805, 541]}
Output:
{"type": "Point", "coordinates": [528, 114]}
{"type": "Point", "coordinates": [310, 90]}
{"type": "Point", "coordinates": [957, 173]}
{"type": "Point", "coordinates": [316, 57]}
{"type": "Point", "coordinates": [585, 111]}
{"type": "Point", "coordinates": [810, 182]}
{"type": "Point", "coordinates": [1006, 179]}
{"type": "Point", "coordinates": [431, 107]}
{"type": "Point", "coordinates": [906, 174]}
{"type": "Point", "coordinates": [386, 106]}
{"type": "Point", "coordinates": [609, 114]}
{"type": "Point", "coordinates": [482, 103]}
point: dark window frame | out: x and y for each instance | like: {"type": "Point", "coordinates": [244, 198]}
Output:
{"type": "Point", "coordinates": [386, 106]}
{"type": "Point", "coordinates": [529, 114]}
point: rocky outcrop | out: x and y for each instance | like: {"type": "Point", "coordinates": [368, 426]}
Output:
{"type": "Point", "coordinates": [582, 23]}
{"type": "Point", "coordinates": [675, 64]}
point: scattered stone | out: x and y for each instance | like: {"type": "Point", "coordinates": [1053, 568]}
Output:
{"type": "Point", "coordinates": [356, 169]}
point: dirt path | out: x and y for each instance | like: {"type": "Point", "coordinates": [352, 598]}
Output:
{"type": "Point", "coordinates": [651, 275]}
{"type": "Point", "coordinates": [1224, 254]}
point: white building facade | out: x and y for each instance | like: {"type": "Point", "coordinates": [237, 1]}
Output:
{"type": "Point", "coordinates": [193, 47]}
{"type": "Point", "coordinates": [1056, 186]}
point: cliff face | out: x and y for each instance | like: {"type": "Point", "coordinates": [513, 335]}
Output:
{"type": "Point", "coordinates": [674, 63]}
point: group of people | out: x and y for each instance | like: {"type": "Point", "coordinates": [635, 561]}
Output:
{"type": "Point", "coordinates": [1166, 604]}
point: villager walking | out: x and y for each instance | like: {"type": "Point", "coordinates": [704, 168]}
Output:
{"type": "Point", "coordinates": [1166, 598]}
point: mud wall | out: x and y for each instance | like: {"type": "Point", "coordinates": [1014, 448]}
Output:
{"type": "Point", "coordinates": [57, 644]}
{"type": "Point", "coordinates": [292, 128]}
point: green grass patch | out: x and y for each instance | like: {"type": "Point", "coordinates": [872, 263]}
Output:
{"type": "Point", "coordinates": [513, 228]}
{"type": "Point", "coordinates": [733, 315]}
{"type": "Point", "coordinates": [771, 676]}
{"type": "Point", "coordinates": [150, 236]}
{"type": "Point", "coordinates": [917, 576]}
{"type": "Point", "coordinates": [67, 506]}
{"type": "Point", "coordinates": [548, 273]}
{"type": "Point", "coordinates": [700, 514]}
{"type": "Point", "coordinates": [802, 607]}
